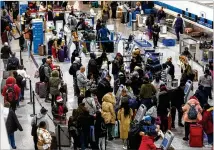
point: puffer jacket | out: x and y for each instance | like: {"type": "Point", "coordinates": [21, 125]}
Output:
{"type": "Point", "coordinates": [6, 52]}
{"type": "Point", "coordinates": [207, 121]}
{"type": "Point", "coordinates": [54, 83]}
{"type": "Point", "coordinates": [186, 108]}
{"type": "Point", "coordinates": [108, 112]}
{"type": "Point", "coordinates": [81, 79]}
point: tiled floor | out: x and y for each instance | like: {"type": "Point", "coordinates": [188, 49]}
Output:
{"type": "Point", "coordinates": [24, 139]}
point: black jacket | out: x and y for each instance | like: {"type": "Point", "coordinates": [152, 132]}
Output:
{"type": "Point", "coordinates": [76, 66]}
{"type": "Point", "coordinates": [19, 79]}
{"type": "Point", "coordinates": [103, 88]}
{"type": "Point", "coordinates": [50, 15]}
{"type": "Point", "coordinates": [12, 123]}
{"type": "Point", "coordinates": [92, 67]}
{"type": "Point", "coordinates": [171, 70]}
{"type": "Point", "coordinates": [150, 21]}
{"type": "Point", "coordinates": [177, 96]}
{"type": "Point", "coordinates": [163, 103]}
{"type": "Point", "coordinates": [12, 60]}
{"type": "Point", "coordinates": [5, 52]}
{"type": "Point", "coordinates": [116, 66]}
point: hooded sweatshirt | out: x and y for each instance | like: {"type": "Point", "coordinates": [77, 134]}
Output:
{"type": "Point", "coordinates": [54, 83]}
{"type": "Point", "coordinates": [40, 117]}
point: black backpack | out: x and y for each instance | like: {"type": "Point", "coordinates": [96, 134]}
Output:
{"type": "Point", "coordinates": [42, 73]}
{"type": "Point", "coordinates": [12, 63]}
{"type": "Point", "coordinates": [192, 114]}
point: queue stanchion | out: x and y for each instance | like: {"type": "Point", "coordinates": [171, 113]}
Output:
{"type": "Point", "coordinates": [32, 115]}
{"type": "Point", "coordinates": [31, 102]}
{"type": "Point", "coordinates": [59, 138]}
{"type": "Point", "coordinates": [21, 60]}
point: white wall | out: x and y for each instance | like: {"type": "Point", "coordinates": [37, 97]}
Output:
{"type": "Point", "coordinates": [193, 8]}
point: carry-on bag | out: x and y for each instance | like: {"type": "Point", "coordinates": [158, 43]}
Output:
{"type": "Point", "coordinates": [156, 68]}
{"type": "Point", "coordinates": [196, 136]}
{"type": "Point", "coordinates": [167, 140]}
{"type": "Point", "coordinates": [153, 60]}
{"type": "Point", "coordinates": [116, 129]}
{"type": "Point", "coordinates": [41, 50]}
{"type": "Point", "coordinates": [42, 90]}
{"type": "Point", "coordinates": [37, 87]}
{"type": "Point", "coordinates": [168, 42]}
{"type": "Point", "coordinates": [140, 113]}
{"type": "Point", "coordinates": [61, 56]}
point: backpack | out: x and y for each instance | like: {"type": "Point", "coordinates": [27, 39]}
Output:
{"type": "Point", "coordinates": [192, 114]}
{"type": "Point", "coordinates": [12, 63]}
{"type": "Point", "coordinates": [10, 94]}
{"type": "Point", "coordinates": [42, 72]}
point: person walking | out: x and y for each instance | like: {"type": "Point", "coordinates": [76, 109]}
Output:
{"type": "Point", "coordinates": [41, 116]}
{"type": "Point", "coordinates": [103, 36]}
{"type": "Point", "coordinates": [12, 124]}
{"type": "Point", "coordinates": [5, 54]}
{"type": "Point", "coordinates": [149, 24]}
{"type": "Point", "coordinates": [155, 34]}
{"type": "Point", "coordinates": [178, 24]}
{"type": "Point", "coordinates": [125, 116]}
{"type": "Point", "coordinates": [108, 112]}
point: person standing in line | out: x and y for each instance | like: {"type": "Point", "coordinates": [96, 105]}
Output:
{"type": "Point", "coordinates": [47, 73]}
{"type": "Point", "coordinates": [125, 116]}
{"type": "Point", "coordinates": [114, 9]}
{"type": "Point", "coordinates": [36, 121]}
{"type": "Point", "coordinates": [207, 83]}
{"type": "Point", "coordinates": [5, 54]}
{"type": "Point", "coordinates": [12, 124]}
{"type": "Point", "coordinates": [13, 62]}
{"type": "Point", "coordinates": [108, 112]}
{"type": "Point", "coordinates": [44, 137]}
{"type": "Point", "coordinates": [178, 24]}
{"type": "Point", "coordinates": [82, 80]}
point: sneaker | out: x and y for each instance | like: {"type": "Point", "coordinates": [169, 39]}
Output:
{"type": "Point", "coordinates": [185, 139]}
{"type": "Point", "coordinates": [14, 147]}
{"type": "Point", "coordinates": [180, 125]}
{"type": "Point", "coordinates": [124, 147]}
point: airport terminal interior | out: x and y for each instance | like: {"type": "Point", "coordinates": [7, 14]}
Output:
{"type": "Point", "coordinates": [111, 75]}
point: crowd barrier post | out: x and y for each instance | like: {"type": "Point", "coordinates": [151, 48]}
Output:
{"type": "Point", "coordinates": [21, 60]}
{"type": "Point", "coordinates": [30, 93]}
{"type": "Point", "coordinates": [32, 115]}
{"type": "Point", "coordinates": [59, 138]}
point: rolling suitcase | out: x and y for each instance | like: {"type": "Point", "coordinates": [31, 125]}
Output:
{"type": "Point", "coordinates": [3, 83]}
{"type": "Point", "coordinates": [41, 50]}
{"type": "Point", "coordinates": [64, 136]}
{"type": "Point", "coordinates": [196, 136]}
{"type": "Point", "coordinates": [140, 113]}
{"type": "Point", "coordinates": [61, 55]}
{"type": "Point", "coordinates": [37, 87]}
{"type": "Point", "coordinates": [167, 140]}
{"type": "Point", "coordinates": [6, 74]}
{"type": "Point", "coordinates": [42, 90]}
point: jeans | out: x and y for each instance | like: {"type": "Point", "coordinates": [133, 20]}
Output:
{"type": "Point", "coordinates": [5, 64]}
{"type": "Point", "coordinates": [210, 138]}
{"type": "Point", "coordinates": [102, 143]}
{"type": "Point", "coordinates": [155, 40]}
{"type": "Point", "coordinates": [187, 128]}
{"type": "Point", "coordinates": [12, 140]}
{"type": "Point", "coordinates": [173, 113]}
{"type": "Point", "coordinates": [116, 76]}
{"type": "Point", "coordinates": [109, 128]}
{"type": "Point", "coordinates": [83, 140]}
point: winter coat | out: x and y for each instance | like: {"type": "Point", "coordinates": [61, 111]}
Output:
{"type": "Point", "coordinates": [19, 80]}
{"type": "Point", "coordinates": [85, 121]}
{"type": "Point", "coordinates": [147, 143]}
{"type": "Point", "coordinates": [207, 121]}
{"type": "Point", "coordinates": [150, 21]}
{"type": "Point", "coordinates": [147, 91]}
{"type": "Point", "coordinates": [5, 52]}
{"type": "Point", "coordinates": [124, 123]}
{"type": "Point", "coordinates": [116, 66]}
{"type": "Point", "coordinates": [56, 112]}
{"type": "Point", "coordinates": [47, 70]}
{"type": "Point", "coordinates": [76, 66]}
{"type": "Point", "coordinates": [163, 103]}
{"type": "Point", "coordinates": [186, 108]}
{"type": "Point", "coordinates": [103, 88]}
{"type": "Point", "coordinates": [90, 105]}
{"type": "Point", "coordinates": [161, 14]}
{"type": "Point", "coordinates": [9, 82]}
{"type": "Point", "coordinates": [81, 80]}
{"type": "Point", "coordinates": [92, 67]}
{"type": "Point", "coordinates": [177, 96]}
{"type": "Point", "coordinates": [44, 139]}
{"type": "Point", "coordinates": [12, 122]}
{"type": "Point", "coordinates": [12, 59]}
{"type": "Point", "coordinates": [40, 117]}
{"type": "Point", "coordinates": [54, 83]}
{"type": "Point", "coordinates": [200, 94]}
{"type": "Point", "coordinates": [108, 112]}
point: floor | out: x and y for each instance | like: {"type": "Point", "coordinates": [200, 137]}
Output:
{"type": "Point", "coordinates": [24, 139]}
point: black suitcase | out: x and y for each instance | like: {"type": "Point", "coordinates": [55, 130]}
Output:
{"type": "Point", "coordinates": [156, 68]}
{"type": "Point", "coordinates": [110, 47]}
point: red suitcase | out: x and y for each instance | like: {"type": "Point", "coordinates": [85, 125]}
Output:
{"type": "Point", "coordinates": [196, 136]}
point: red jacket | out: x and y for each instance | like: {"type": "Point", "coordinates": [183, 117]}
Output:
{"type": "Point", "coordinates": [207, 121]}
{"type": "Point", "coordinates": [147, 143]}
{"type": "Point", "coordinates": [10, 81]}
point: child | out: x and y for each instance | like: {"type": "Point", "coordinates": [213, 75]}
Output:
{"type": "Point", "coordinates": [100, 131]}
{"type": "Point", "coordinates": [148, 132]}
{"type": "Point", "coordinates": [125, 116]}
